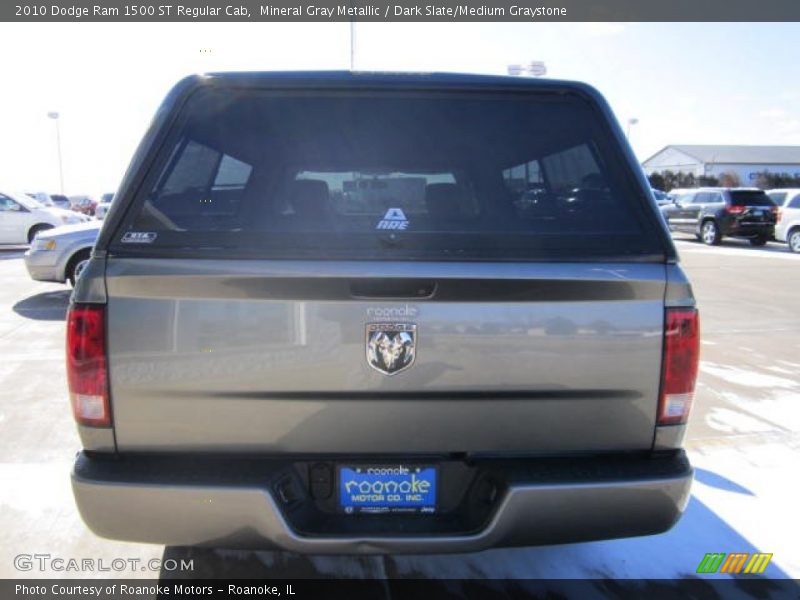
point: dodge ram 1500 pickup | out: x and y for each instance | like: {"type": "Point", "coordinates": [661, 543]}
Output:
{"type": "Point", "coordinates": [373, 313]}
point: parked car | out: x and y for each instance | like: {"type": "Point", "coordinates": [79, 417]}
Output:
{"type": "Point", "coordinates": [783, 196]}
{"type": "Point", "coordinates": [788, 226]}
{"type": "Point", "coordinates": [333, 324]}
{"type": "Point", "coordinates": [714, 213]}
{"type": "Point", "coordinates": [43, 198]}
{"type": "Point", "coordinates": [22, 218]}
{"type": "Point", "coordinates": [103, 206]}
{"type": "Point", "coordinates": [661, 197]}
{"type": "Point", "coordinates": [676, 192]}
{"type": "Point", "coordinates": [83, 204]}
{"type": "Point", "coordinates": [60, 201]}
{"type": "Point", "coordinates": [61, 254]}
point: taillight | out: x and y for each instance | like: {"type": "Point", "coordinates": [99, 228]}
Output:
{"type": "Point", "coordinates": [86, 365]}
{"type": "Point", "coordinates": [735, 210]}
{"type": "Point", "coordinates": [779, 214]}
{"type": "Point", "coordinates": [679, 366]}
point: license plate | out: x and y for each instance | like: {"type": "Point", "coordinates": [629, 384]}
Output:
{"type": "Point", "coordinates": [758, 213]}
{"type": "Point", "coordinates": [392, 488]}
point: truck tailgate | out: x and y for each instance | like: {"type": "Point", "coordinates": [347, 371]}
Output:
{"type": "Point", "coordinates": [270, 356]}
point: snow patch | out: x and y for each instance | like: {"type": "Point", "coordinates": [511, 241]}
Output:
{"type": "Point", "coordinates": [731, 421]}
{"type": "Point", "coordinates": [782, 408]}
{"type": "Point", "coordinates": [747, 378]}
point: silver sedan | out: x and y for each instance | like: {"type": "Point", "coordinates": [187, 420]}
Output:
{"type": "Point", "coordinates": [60, 254]}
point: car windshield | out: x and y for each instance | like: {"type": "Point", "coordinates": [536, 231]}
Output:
{"type": "Point", "coordinates": [26, 200]}
{"type": "Point", "coordinates": [750, 198]}
{"type": "Point", "coordinates": [41, 198]}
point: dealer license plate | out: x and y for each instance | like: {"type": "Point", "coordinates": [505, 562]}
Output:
{"type": "Point", "coordinates": [391, 488]}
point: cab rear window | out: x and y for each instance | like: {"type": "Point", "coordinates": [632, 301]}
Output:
{"type": "Point", "coordinates": [391, 176]}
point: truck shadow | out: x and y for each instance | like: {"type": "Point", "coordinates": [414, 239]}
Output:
{"type": "Point", "coordinates": [47, 306]}
{"type": "Point", "coordinates": [658, 566]}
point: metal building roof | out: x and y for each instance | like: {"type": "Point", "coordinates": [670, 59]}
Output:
{"type": "Point", "coordinates": [737, 154]}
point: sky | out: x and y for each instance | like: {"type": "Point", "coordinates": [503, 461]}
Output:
{"type": "Point", "coordinates": [686, 83]}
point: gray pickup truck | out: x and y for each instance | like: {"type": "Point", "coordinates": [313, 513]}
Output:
{"type": "Point", "coordinates": [382, 313]}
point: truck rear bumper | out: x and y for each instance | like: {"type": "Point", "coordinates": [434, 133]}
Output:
{"type": "Point", "coordinates": [750, 229]}
{"type": "Point", "coordinates": [539, 501]}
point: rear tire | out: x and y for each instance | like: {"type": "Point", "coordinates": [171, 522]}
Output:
{"type": "Point", "coordinates": [710, 233]}
{"type": "Point", "coordinates": [793, 240]}
{"type": "Point", "coordinates": [759, 240]}
{"type": "Point", "coordinates": [36, 229]}
{"type": "Point", "coordinates": [76, 265]}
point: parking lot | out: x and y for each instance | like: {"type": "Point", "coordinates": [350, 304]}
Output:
{"type": "Point", "coordinates": [744, 440]}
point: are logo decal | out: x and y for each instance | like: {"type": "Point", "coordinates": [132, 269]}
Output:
{"type": "Point", "coordinates": [139, 237]}
{"type": "Point", "coordinates": [394, 219]}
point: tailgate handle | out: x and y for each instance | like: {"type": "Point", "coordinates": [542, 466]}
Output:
{"type": "Point", "coordinates": [392, 288]}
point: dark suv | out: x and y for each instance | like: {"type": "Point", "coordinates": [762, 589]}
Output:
{"type": "Point", "coordinates": [711, 213]}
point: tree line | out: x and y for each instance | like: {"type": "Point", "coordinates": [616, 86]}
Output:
{"type": "Point", "coordinates": [669, 180]}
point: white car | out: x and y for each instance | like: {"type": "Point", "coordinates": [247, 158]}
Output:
{"type": "Point", "coordinates": [60, 254]}
{"type": "Point", "coordinates": [22, 217]}
{"type": "Point", "coordinates": [103, 206]}
{"type": "Point", "coordinates": [42, 197]}
{"type": "Point", "coordinates": [787, 229]}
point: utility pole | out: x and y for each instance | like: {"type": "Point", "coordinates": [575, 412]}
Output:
{"type": "Point", "coordinates": [352, 44]}
{"type": "Point", "coordinates": [55, 116]}
{"type": "Point", "coordinates": [631, 123]}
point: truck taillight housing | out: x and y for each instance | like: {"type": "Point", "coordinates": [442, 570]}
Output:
{"type": "Point", "coordinates": [87, 368]}
{"type": "Point", "coordinates": [680, 364]}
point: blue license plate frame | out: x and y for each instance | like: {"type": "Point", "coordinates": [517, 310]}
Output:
{"type": "Point", "coordinates": [393, 488]}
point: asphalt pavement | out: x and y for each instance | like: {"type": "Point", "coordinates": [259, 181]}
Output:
{"type": "Point", "coordinates": [744, 440]}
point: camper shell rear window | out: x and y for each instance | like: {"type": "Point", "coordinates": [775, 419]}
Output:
{"type": "Point", "coordinates": [389, 176]}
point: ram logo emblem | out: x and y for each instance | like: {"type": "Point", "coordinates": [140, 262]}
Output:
{"type": "Point", "coordinates": [391, 347]}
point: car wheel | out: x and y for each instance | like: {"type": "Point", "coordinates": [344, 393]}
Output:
{"type": "Point", "coordinates": [710, 233]}
{"type": "Point", "coordinates": [794, 240]}
{"type": "Point", "coordinates": [35, 230]}
{"type": "Point", "coordinates": [76, 265]}
{"type": "Point", "coordinates": [759, 240]}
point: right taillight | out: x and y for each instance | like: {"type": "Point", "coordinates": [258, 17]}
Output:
{"type": "Point", "coordinates": [86, 365]}
{"type": "Point", "coordinates": [680, 365]}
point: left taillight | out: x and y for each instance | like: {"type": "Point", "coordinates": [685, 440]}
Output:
{"type": "Point", "coordinates": [87, 368]}
{"type": "Point", "coordinates": [680, 364]}
{"type": "Point", "coordinates": [735, 210]}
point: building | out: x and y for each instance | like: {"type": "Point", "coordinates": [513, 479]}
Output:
{"type": "Point", "coordinates": [711, 161]}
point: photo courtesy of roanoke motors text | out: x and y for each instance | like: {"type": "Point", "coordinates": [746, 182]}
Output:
{"type": "Point", "coordinates": [399, 299]}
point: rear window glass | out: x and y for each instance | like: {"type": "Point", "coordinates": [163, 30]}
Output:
{"type": "Point", "coordinates": [750, 198]}
{"type": "Point", "coordinates": [391, 176]}
{"type": "Point", "coordinates": [373, 192]}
